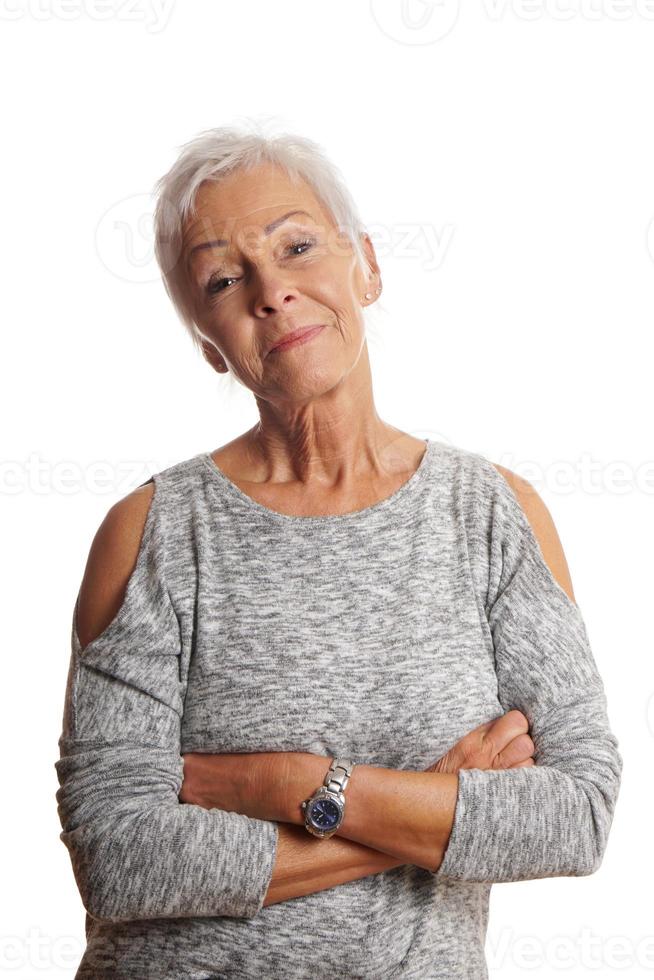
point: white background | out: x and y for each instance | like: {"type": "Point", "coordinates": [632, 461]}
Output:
{"type": "Point", "coordinates": [502, 156]}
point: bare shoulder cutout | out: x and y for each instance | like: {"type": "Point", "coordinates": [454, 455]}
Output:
{"type": "Point", "coordinates": [542, 525]}
{"type": "Point", "coordinates": [111, 561]}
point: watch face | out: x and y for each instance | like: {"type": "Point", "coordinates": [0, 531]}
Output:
{"type": "Point", "coordinates": [324, 814]}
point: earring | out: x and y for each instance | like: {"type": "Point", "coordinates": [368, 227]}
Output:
{"type": "Point", "coordinates": [368, 296]}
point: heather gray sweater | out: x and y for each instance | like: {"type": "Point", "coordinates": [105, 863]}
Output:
{"type": "Point", "coordinates": [383, 635]}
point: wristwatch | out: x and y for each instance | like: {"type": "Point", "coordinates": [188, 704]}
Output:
{"type": "Point", "coordinates": [323, 812]}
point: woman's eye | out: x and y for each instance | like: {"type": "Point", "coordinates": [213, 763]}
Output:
{"type": "Point", "coordinates": [308, 242]}
{"type": "Point", "coordinates": [217, 285]}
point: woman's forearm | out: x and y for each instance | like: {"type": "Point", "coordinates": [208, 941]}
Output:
{"type": "Point", "coordinates": [408, 815]}
{"type": "Point", "coordinates": [404, 814]}
{"type": "Point", "coordinates": [256, 784]}
{"type": "Point", "coordinates": [392, 817]}
{"type": "Point", "coordinates": [306, 864]}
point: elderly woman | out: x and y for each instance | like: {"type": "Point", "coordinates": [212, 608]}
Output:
{"type": "Point", "coordinates": [328, 682]}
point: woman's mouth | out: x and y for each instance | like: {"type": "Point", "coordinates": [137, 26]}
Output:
{"type": "Point", "coordinates": [296, 337]}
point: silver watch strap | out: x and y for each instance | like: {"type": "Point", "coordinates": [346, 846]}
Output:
{"type": "Point", "coordinates": [338, 775]}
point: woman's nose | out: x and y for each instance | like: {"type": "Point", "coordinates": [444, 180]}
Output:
{"type": "Point", "coordinates": [272, 294]}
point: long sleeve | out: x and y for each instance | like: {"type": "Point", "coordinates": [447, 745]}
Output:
{"type": "Point", "coordinates": [554, 818]}
{"type": "Point", "coordinates": [137, 852]}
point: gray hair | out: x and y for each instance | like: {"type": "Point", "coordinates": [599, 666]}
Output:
{"type": "Point", "coordinates": [215, 153]}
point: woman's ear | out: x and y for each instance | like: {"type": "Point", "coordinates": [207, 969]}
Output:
{"type": "Point", "coordinates": [371, 282]}
{"type": "Point", "coordinates": [213, 356]}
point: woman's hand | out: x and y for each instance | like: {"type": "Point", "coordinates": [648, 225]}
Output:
{"type": "Point", "coordinates": [503, 743]}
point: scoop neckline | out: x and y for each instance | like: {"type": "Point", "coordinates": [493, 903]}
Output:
{"type": "Point", "coordinates": [312, 519]}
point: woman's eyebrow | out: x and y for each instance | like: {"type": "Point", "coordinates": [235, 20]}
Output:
{"type": "Point", "coordinates": [268, 230]}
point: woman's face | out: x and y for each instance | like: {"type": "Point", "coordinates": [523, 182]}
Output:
{"type": "Point", "coordinates": [273, 276]}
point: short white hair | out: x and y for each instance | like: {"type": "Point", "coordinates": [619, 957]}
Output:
{"type": "Point", "coordinates": [215, 153]}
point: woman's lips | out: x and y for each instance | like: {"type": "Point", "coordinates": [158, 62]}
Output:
{"type": "Point", "coordinates": [298, 337]}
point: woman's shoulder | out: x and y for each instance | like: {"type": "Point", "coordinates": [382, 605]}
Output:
{"type": "Point", "coordinates": [497, 495]}
{"type": "Point", "coordinates": [111, 561]}
{"type": "Point", "coordinates": [543, 528]}
{"type": "Point", "coordinates": [481, 478]}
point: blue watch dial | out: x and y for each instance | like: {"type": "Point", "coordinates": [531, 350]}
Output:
{"type": "Point", "coordinates": [324, 814]}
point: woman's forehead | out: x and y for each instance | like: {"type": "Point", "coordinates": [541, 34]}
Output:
{"type": "Point", "coordinates": [254, 194]}
{"type": "Point", "coordinates": [243, 202]}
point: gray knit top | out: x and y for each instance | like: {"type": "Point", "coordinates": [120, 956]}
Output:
{"type": "Point", "coordinates": [381, 635]}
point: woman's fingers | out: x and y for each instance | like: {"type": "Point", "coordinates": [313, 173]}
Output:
{"type": "Point", "coordinates": [502, 743]}
{"type": "Point", "coordinates": [517, 752]}
{"type": "Point", "coordinates": [501, 731]}
{"type": "Point", "coordinates": [510, 740]}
